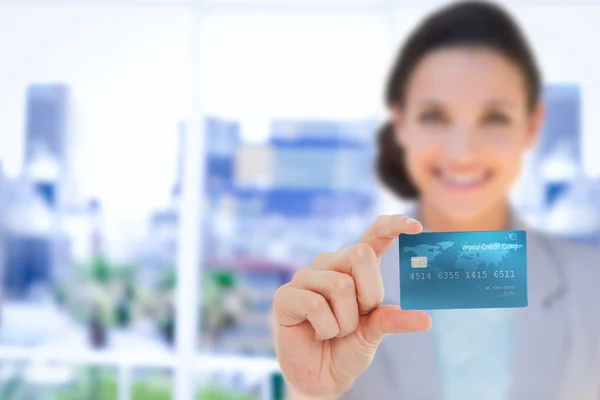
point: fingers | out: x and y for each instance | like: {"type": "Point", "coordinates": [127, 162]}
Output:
{"type": "Point", "coordinates": [391, 319]}
{"type": "Point", "coordinates": [338, 289]}
{"type": "Point", "coordinates": [386, 228]}
{"type": "Point", "coordinates": [341, 286]}
{"type": "Point", "coordinates": [292, 306]}
{"type": "Point", "coordinates": [360, 263]}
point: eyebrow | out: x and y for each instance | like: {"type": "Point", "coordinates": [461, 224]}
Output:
{"type": "Point", "coordinates": [492, 103]}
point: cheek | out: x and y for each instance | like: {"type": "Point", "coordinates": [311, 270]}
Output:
{"type": "Point", "coordinates": [420, 154]}
{"type": "Point", "coordinates": [508, 164]}
{"type": "Point", "coordinates": [420, 161]}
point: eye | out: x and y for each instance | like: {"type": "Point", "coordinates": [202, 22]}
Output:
{"type": "Point", "coordinates": [433, 117]}
{"type": "Point", "coordinates": [496, 118]}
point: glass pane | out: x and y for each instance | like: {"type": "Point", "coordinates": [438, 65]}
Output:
{"type": "Point", "coordinates": [228, 388]}
{"type": "Point", "coordinates": [288, 171]}
{"type": "Point", "coordinates": [152, 384]}
{"type": "Point", "coordinates": [45, 381]}
{"type": "Point", "coordinates": [90, 119]}
{"type": "Point", "coordinates": [234, 382]}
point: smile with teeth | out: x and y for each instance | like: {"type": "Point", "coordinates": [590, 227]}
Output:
{"type": "Point", "coordinates": [463, 180]}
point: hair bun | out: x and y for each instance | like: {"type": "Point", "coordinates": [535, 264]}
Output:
{"type": "Point", "coordinates": [391, 168]}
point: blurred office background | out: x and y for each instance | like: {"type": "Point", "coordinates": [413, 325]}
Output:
{"type": "Point", "coordinates": [165, 165]}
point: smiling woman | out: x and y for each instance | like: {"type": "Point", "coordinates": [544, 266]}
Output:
{"type": "Point", "coordinates": [464, 99]}
{"type": "Point", "coordinates": [464, 104]}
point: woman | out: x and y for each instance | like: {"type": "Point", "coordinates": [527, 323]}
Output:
{"type": "Point", "coordinates": [464, 99]}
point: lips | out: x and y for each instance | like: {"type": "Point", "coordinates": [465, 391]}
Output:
{"type": "Point", "coordinates": [463, 181]}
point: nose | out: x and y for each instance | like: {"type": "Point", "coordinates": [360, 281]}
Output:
{"type": "Point", "coordinates": [462, 143]}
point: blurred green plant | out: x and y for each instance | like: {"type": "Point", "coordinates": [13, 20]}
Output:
{"type": "Point", "coordinates": [215, 284]}
{"type": "Point", "coordinates": [60, 293]}
{"type": "Point", "coordinates": [168, 280]}
{"type": "Point", "coordinates": [98, 383]}
{"type": "Point", "coordinates": [91, 383]}
{"type": "Point", "coordinates": [13, 388]}
{"type": "Point", "coordinates": [218, 287]}
{"type": "Point", "coordinates": [123, 313]}
{"type": "Point", "coordinates": [99, 270]}
{"type": "Point", "coordinates": [102, 293]}
{"type": "Point", "coordinates": [222, 394]}
{"type": "Point", "coordinates": [105, 294]}
{"type": "Point", "coordinates": [163, 304]}
{"type": "Point", "coordinates": [154, 386]}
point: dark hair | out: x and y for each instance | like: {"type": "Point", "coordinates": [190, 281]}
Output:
{"type": "Point", "coordinates": [463, 23]}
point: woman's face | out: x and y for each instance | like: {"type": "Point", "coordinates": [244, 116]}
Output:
{"type": "Point", "coordinates": [465, 127]}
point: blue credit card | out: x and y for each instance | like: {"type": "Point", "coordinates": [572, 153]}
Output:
{"type": "Point", "coordinates": [450, 270]}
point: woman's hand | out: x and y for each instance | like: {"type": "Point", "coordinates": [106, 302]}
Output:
{"type": "Point", "coordinates": [328, 319]}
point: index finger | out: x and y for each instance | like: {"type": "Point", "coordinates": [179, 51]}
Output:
{"type": "Point", "coordinates": [386, 228]}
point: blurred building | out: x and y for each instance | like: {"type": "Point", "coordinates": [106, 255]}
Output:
{"type": "Point", "coordinates": [558, 153]}
{"type": "Point", "coordinates": [28, 259]}
{"type": "Point", "coordinates": [322, 168]}
{"type": "Point", "coordinates": [570, 198]}
{"type": "Point", "coordinates": [181, 142]}
{"type": "Point", "coordinates": [2, 234]}
{"type": "Point", "coordinates": [223, 138]}
{"type": "Point", "coordinates": [310, 187]}
{"type": "Point", "coordinates": [45, 161]}
{"type": "Point", "coordinates": [555, 193]}
{"type": "Point", "coordinates": [271, 207]}
{"type": "Point", "coordinates": [157, 254]}
{"type": "Point", "coordinates": [576, 211]}
{"type": "Point", "coordinates": [27, 238]}
{"type": "Point", "coordinates": [268, 209]}
{"type": "Point", "coordinates": [83, 225]}
{"type": "Point", "coordinates": [46, 121]}
{"type": "Point", "coordinates": [556, 159]}
{"type": "Point", "coordinates": [35, 246]}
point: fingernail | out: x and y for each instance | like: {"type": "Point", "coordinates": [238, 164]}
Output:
{"type": "Point", "coordinates": [412, 221]}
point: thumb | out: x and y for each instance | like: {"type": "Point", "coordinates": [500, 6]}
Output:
{"type": "Point", "coordinates": [385, 320]}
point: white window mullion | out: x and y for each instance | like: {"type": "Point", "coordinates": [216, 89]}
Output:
{"type": "Point", "coordinates": [189, 253]}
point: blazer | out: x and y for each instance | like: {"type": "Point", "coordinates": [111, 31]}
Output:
{"type": "Point", "coordinates": [556, 338]}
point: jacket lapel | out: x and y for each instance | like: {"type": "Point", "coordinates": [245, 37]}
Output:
{"type": "Point", "coordinates": [541, 339]}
